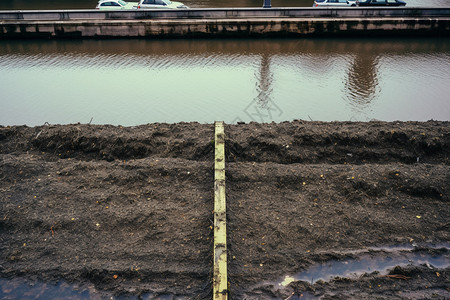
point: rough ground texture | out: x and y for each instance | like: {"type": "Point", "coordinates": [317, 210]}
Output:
{"type": "Point", "coordinates": [128, 210]}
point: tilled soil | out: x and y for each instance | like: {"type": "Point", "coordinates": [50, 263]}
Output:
{"type": "Point", "coordinates": [130, 209]}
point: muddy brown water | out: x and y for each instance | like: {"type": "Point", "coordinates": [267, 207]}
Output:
{"type": "Point", "coordinates": [133, 82]}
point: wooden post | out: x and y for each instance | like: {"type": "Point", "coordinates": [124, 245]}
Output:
{"type": "Point", "coordinates": [220, 281]}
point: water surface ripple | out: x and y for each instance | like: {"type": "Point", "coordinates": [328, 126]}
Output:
{"type": "Point", "coordinates": [131, 82]}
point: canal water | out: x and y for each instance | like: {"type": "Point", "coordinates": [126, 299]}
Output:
{"type": "Point", "coordinates": [131, 82]}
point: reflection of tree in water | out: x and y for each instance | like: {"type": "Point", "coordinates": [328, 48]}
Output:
{"type": "Point", "coordinates": [262, 108]}
{"type": "Point", "coordinates": [263, 86]}
{"type": "Point", "coordinates": [361, 85]}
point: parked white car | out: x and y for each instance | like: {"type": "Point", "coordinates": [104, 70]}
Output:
{"type": "Point", "coordinates": [164, 4]}
{"type": "Point", "coordinates": [335, 3]}
{"type": "Point", "coordinates": [115, 5]}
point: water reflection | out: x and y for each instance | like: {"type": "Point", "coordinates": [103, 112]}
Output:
{"type": "Point", "coordinates": [20, 288]}
{"type": "Point", "coordinates": [362, 80]}
{"type": "Point", "coordinates": [264, 81]}
{"type": "Point", "coordinates": [230, 80]}
{"type": "Point", "coordinates": [378, 261]}
{"type": "Point", "coordinates": [262, 108]}
{"type": "Point", "coordinates": [328, 49]}
{"type": "Point", "coordinates": [367, 263]}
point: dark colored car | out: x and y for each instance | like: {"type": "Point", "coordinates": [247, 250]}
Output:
{"type": "Point", "coordinates": [381, 3]}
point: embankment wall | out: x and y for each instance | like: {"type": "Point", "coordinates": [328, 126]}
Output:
{"type": "Point", "coordinates": [192, 23]}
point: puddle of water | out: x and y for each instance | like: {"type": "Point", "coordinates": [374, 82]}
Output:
{"type": "Point", "coordinates": [368, 263]}
{"type": "Point", "coordinates": [19, 288]}
{"type": "Point", "coordinates": [410, 247]}
{"type": "Point", "coordinates": [372, 259]}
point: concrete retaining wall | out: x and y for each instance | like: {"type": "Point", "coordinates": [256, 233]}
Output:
{"type": "Point", "coordinates": [188, 24]}
{"type": "Point", "coordinates": [225, 13]}
{"type": "Point", "coordinates": [226, 28]}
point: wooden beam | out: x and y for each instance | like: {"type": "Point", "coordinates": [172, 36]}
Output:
{"type": "Point", "coordinates": [220, 281]}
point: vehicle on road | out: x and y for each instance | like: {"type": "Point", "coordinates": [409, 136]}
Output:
{"type": "Point", "coordinates": [115, 5]}
{"type": "Point", "coordinates": [164, 4]}
{"type": "Point", "coordinates": [335, 3]}
{"type": "Point", "coordinates": [381, 3]}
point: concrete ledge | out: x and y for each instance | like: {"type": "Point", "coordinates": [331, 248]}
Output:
{"type": "Point", "coordinates": [256, 27]}
{"type": "Point", "coordinates": [225, 13]}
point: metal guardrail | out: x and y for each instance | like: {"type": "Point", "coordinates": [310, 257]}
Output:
{"type": "Point", "coordinates": [225, 13]}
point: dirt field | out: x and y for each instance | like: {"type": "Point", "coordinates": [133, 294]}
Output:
{"type": "Point", "coordinates": [129, 210]}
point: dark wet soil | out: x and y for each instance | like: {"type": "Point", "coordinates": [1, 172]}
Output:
{"type": "Point", "coordinates": [130, 209]}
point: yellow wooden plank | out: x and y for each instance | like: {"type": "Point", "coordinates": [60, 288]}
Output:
{"type": "Point", "coordinates": [220, 281]}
